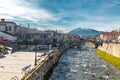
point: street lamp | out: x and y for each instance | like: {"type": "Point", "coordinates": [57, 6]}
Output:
{"type": "Point", "coordinates": [35, 43]}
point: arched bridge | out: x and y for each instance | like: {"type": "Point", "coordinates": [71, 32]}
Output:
{"type": "Point", "coordinates": [81, 41]}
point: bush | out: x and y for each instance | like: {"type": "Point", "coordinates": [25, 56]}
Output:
{"type": "Point", "coordinates": [3, 49]}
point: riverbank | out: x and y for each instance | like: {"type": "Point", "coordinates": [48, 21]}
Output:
{"type": "Point", "coordinates": [111, 48]}
{"type": "Point", "coordinates": [43, 70]}
{"type": "Point", "coordinates": [77, 64]}
{"type": "Point", "coordinates": [91, 44]}
{"type": "Point", "coordinates": [115, 61]}
{"type": "Point", "coordinates": [110, 52]}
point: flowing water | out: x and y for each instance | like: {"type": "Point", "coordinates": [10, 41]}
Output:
{"type": "Point", "coordinates": [76, 64]}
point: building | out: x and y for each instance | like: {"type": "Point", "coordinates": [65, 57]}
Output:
{"type": "Point", "coordinates": [7, 30]}
{"type": "Point", "coordinates": [7, 36]}
{"type": "Point", "coordinates": [118, 38]}
{"type": "Point", "coordinates": [109, 36]}
{"type": "Point", "coordinates": [31, 34]}
{"type": "Point", "coordinates": [12, 31]}
{"type": "Point", "coordinates": [8, 27]}
{"type": "Point", "coordinates": [53, 36]}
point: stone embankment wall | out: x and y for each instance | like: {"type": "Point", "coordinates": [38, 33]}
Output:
{"type": "Point", "coordinates": [112, 48]}
{"type": "Point", "coordinates": [42, 70]}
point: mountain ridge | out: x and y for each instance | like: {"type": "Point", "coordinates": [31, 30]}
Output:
{"type": "Point", "coordinates": [85, 32]}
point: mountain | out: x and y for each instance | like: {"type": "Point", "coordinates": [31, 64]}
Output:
{"type": "Point", "coordinates": [85, 32]}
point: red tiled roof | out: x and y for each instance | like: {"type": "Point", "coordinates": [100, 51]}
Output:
{"type": "Point", "coordinates": [111, 33]}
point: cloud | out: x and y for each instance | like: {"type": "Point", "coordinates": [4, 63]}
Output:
{"type": "Point", "coordinates": [117, 2]}
{"type": "Point", "coordinates": [6, 17]}
{"type": "Point", "coordinates": [54, 27]}
{"type": "Point", "coordinates": [107, 7]}
{"type": "Point", "coordinates": [55, 15]}
{"type": "Point", "coordinates": [101, 26]}
{"type": "Point", "coordinates": [18, 8]}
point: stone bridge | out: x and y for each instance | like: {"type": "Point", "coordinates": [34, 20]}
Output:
{"type": "Point", "coordinates": [79, 42]}
{"type": "Point", "coordinates": [44, 67]}
{"type": "Point", "coordinates": [95, 42]}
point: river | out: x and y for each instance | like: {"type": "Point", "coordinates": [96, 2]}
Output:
{"type": "Point", "coordinates": [76, 64]}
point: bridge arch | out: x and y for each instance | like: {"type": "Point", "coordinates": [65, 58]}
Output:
{"type": "Point", "coordinates": [81, 41]}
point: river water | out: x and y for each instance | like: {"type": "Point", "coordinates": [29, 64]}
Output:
{"type": "Point", "coordinates": [76, 64]}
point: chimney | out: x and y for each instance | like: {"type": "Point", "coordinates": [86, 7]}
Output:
{"type": "Point", "coordinates": [28, 26]}
{"type": "Point", "coordinates": [2, 20]}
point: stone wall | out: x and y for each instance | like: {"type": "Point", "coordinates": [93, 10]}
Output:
{"type": "Point", "coordinates": [111, 48]}
{"type": "Point", "coordinates": [42, 69]}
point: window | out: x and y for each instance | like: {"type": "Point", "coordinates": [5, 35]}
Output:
{"type": "Point", "coordinates": [10, 28]}
{"type": "Point", "coordinates": [6, 28]}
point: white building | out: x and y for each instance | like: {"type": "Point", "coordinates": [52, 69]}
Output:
{"type": "Point", "coordinates": [7, 36]}
{"type": "Point", "coordinates": [9, 27]}
{"type": "Point", "coordinates": [118, 38]}
{"type": "Point", "coordinates": [7, 30]}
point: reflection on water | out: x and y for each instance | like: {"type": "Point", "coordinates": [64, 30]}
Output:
{"type": "Point", "coordinates": [83, 65]}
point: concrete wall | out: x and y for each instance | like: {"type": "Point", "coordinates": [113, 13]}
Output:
{"type": "Point", "coordinates": [111, 48]}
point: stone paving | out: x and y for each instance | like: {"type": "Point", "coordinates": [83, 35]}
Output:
{"type": "Point", "coordinates": [16, 64]}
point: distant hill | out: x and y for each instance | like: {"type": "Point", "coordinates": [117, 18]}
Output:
{"type": "Point", "coordinates": [85, 32]}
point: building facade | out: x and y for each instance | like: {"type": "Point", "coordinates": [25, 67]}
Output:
{"type": "Point", "coordinates": [9, 27]}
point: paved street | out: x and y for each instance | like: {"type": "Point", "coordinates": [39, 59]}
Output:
{"type": "Point", "coordinates": [16, 64]}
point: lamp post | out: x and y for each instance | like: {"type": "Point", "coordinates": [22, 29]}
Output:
{"type": "Point", "coordinates": [35, 42]}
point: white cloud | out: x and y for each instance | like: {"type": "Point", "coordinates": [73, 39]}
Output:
{"type": "Point", "coordinates": [23, 9]}
{"type": "Point", "coordinates": [62, 28]}
{"type": "Point", "coordinates": [6, 17]}
{"type": "Point", "coordinates": [54, 27]}
{"type": "Point", "coordinates": [106, 6]}
{"type": "Point", "coordinates": [101, 26]}
{"type": "Point", "coordinates": [18, 8]}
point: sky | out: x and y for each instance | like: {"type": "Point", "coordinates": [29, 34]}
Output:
{"type": "Point", "coordinates": [65, 15]}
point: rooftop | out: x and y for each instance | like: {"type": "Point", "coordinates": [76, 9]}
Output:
{"type": "Point", "coordinates": [3, 21]}
{"type": "Point", "coordinates": [111, 33]}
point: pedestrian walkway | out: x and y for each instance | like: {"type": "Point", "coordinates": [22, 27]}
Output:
{"type": "Point", "coordinates": [13, 66]}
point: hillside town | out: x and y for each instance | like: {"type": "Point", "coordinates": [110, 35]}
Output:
{"type": "Point", "coordinates": [30, 46]}
{"type": "Point", "coordinates": [24, 43]}
{"type": "Point", "coordinates": [59, 39]}
{"type": "Point", "coordinates": [12, 34]}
